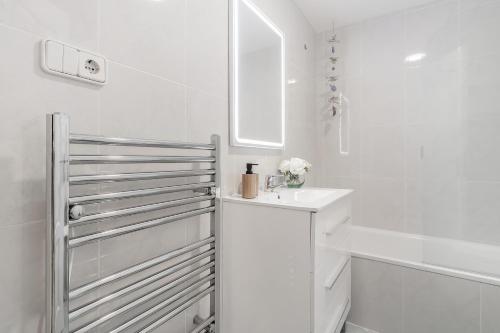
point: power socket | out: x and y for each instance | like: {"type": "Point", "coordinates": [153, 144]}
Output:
{"type": "Point", "coordinates": [92, 67]}
{"type": "Point", "coordinates": [74, 63]}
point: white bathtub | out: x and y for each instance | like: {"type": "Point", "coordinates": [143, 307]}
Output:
{"type": "Point", "coordinates": [467, 260]}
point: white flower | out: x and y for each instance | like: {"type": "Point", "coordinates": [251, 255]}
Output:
{"type": "Point", "coordinates": [295, 166]}
{"type": "Point", "coordinates": [308, 166]}
{"type": "Point", "coordinates": [298, 166]}
{"type": "Point", "coordinates": [284, 166]}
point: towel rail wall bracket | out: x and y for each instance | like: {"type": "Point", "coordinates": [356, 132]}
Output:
{"type": "Point", "coordinates": [199, 261]}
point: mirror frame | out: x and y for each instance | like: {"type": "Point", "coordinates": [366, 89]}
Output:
{"type": "Point", "coordinates": [235, 140]}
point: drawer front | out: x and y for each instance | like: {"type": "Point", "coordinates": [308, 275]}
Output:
{"type": "Point", "coordinates": [332, 265]}
{"type": "Point", "coordinates": [331, 221]}
{"type": "Point", "coordinates": [331, 237]}
{"type": "Point", "coordinates": [332, 299]}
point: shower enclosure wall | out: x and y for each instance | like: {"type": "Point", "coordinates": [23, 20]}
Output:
{"type": "Point", "coordinates": [420, 100]}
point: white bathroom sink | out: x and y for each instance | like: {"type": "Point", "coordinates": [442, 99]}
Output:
{"type": "Point", "coordinates": [308, 199]}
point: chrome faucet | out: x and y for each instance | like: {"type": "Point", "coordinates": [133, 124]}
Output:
{"type": "Point", "coordinates": [272, 182]}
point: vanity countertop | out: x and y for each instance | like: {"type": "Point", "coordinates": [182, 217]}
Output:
{"type": "Point", "coordinates": [312, 199]}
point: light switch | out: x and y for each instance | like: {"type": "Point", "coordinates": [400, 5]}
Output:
{"type": "Point", "coordinates": [54, 56]}
{"type": "Point", "coordinates": [70, 60]}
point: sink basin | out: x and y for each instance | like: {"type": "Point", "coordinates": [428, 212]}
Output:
{"type": "Point", "coordinates": [308, 199]}
{"type": "Point", "coordinates": [301, 196]}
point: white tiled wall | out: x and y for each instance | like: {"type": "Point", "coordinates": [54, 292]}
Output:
{"type": "Point", "coordinates": [424, 154]}
{"type": "Point", "coordinates": [167, 79]}
{"type": "Point", "coordinates": [395, 299]}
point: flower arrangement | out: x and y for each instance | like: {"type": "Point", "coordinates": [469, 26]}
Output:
{"type": "Point", "coordinates": [295, 170]}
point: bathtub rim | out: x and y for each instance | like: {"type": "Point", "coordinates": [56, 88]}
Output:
{"type": "Point", "coordinates": [421, 266]}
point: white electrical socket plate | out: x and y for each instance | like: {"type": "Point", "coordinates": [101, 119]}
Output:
{"type": "Point", "coordinates": [92, 68]}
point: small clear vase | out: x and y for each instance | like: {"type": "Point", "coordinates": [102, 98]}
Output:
{"type": "Point", "coordinates": [295, 181]}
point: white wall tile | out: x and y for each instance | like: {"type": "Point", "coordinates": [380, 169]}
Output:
{"type": "Point", "coordinates": [382, 203]}
{"type": "Point", "coordinates": [73, 22]}
{"type": "Point", "coordinates": [481, 211]}
{"type": "Point", "coordinates": [481, 155]}
{"type": "Point", "coordinates": [478, 26]}
{"type": "Point", "coordinates": [207, 46]}
{"type": "Point", "coordinates": [383, 42]}
{"type": "Point", "coordinates": [26, 95]}
{"type": "Point", "coordinates": [480, 84]}
{"type": "Point", "coordinates": [135, 104]}
{"type": "Point", "coordinates": [147, 35]}
{"type": "Point", "coordinates": [433, 30]}
{"type": "Point", "coordinates": [441, 208]}
{"type": "Point", "coordinates": [382, 99]}
{"type": "Point", "coordinates": [350, 51]}
{"type": "Point", "coordinates": [382, 152]}
{"type": "Point", "coordinates": [432, 93]}
{"type": "Point", "coordinates": [22, 280]}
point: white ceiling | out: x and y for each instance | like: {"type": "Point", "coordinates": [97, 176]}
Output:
{"type": "Point", "coordinates": [321, 13]}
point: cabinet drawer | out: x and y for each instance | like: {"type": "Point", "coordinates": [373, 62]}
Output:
{"type": "Point", "coordinates": [332, 266]}
{"type": "Point", "coordinates": [331, 237]}
{"type": "Point", "coordinates": [334, 216]}
{"type": "Point", "coordinates": [332, 298]}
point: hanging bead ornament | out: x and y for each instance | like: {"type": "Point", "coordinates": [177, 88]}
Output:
{"type": "Point", "coordinates": [334, 100]}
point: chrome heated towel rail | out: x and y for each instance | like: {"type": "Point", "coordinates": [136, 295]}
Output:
{"type": "Point", "coordinates": [183, 276]}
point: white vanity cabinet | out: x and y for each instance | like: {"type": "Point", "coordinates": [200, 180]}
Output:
{"type": "Point", "coordinates": [286, 262]}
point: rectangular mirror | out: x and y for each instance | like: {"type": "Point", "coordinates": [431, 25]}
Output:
{"type": "Point", "coordinates": [257, 79]}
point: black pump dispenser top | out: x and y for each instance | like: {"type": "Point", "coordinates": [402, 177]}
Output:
{"type": "Point", "coordinates": [249, 168]}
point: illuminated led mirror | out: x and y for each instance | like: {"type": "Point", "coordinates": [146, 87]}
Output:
{"type": "Point", "coordinates": [257, 79]}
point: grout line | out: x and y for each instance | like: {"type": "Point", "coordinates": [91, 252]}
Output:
{"type": "Point", "coordinates": [480, 308]}
{"type": "Point", "coordinates": [223, 99]}
{"type": "Point", "coordinates": [110, 60]}
{"type": "Point", "coordinates": [461, 141]}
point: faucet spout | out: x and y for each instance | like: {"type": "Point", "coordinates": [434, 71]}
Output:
{"type": "Point", "coordinates": [272, 182]}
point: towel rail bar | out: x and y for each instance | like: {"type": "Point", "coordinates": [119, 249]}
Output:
{"type": "Point", "coordinates": [101, 140]}
{"type": "Point", "coordinates": [83, 240]}
{"type": "Point", "coordinates": [144, 299]}
{"type": "Point", "coordinates": [160, 307]}
{"type": "Point", "coordinates": [96, 198]}
{"type": "Point", "coordinates": [140, 209]}
{"type": "Point", "coordinates": [135, 159]}
{"type": "Point", "coordinates": [165, 284]}
{"type": "Point", "coordinates": [78, 312]}
{"type": "Point", "coordinates": [204, 325]}
{"type": "Point", "coordinates": [124, 177]}
{"type": "Point", "coordinates": [85, 289]}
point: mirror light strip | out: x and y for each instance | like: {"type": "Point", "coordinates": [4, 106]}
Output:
{"type": "Point", "coordinates": [270, 24]}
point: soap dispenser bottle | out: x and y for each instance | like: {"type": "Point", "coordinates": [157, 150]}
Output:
{"type": "Point", "coordinates": [250, 183]}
